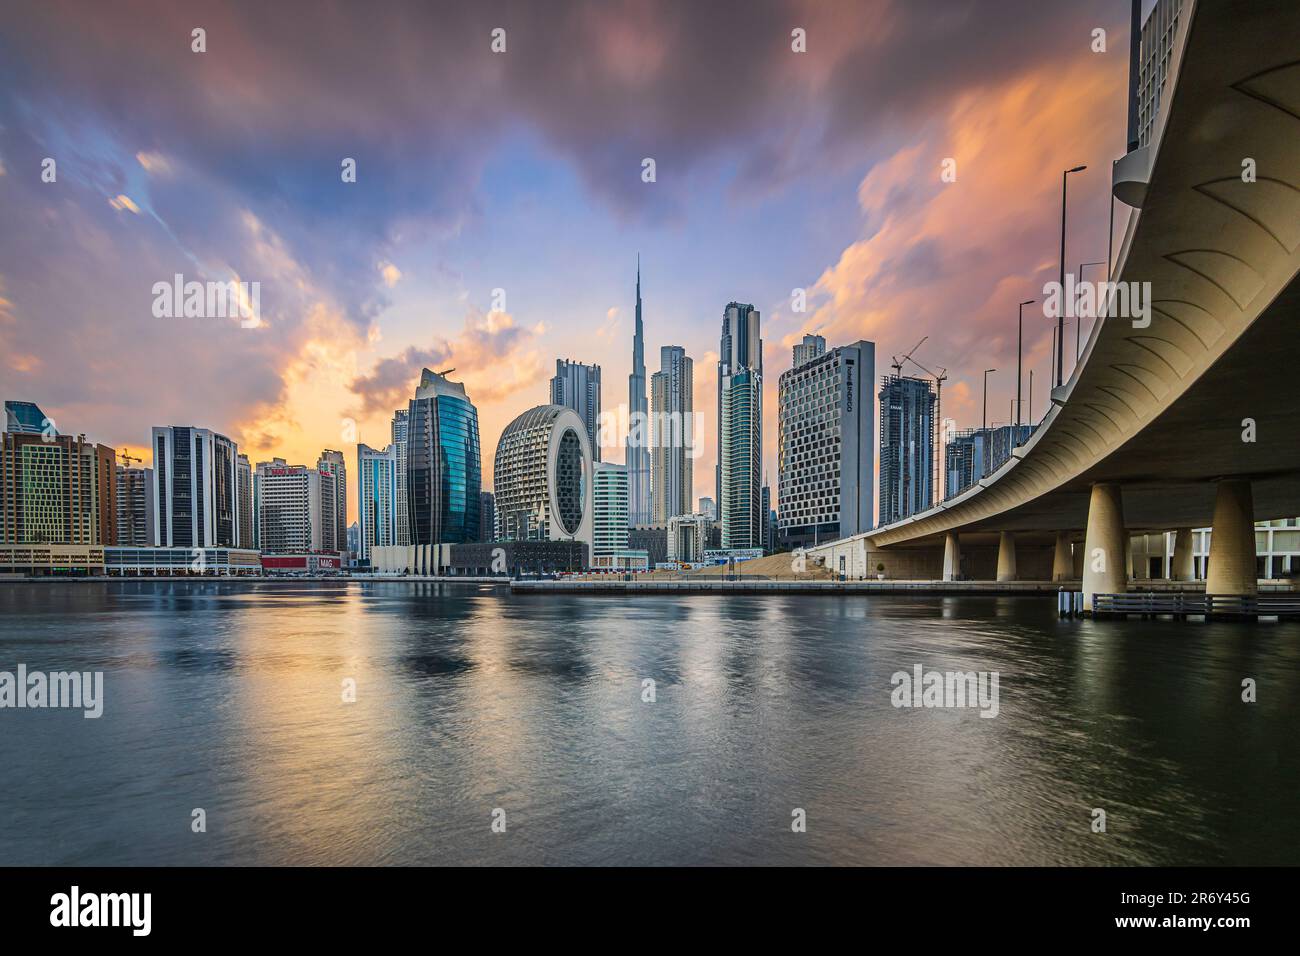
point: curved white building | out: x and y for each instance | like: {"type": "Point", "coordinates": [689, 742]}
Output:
{"type": "Point", "coordinates": [544, 478]}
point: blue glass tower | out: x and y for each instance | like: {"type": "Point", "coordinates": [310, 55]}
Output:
{"type": "Point", "coordinates": [444, 466]}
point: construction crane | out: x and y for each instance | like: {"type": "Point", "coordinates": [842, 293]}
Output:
{"type": "Point", "coordinates": [939, 379]}
{"type": "Point", "coordinates": [898, 362]}
{"type": "Point", "coordinates": [127, 457]}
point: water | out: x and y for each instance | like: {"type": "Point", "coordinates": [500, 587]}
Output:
{"type": "Point", "coordinates": [228, 697]}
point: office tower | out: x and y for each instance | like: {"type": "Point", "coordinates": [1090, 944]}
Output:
{"type": "Point", "coordinates": [26, 418]}
{"type": "Point", "coordinates": [55, 489]}
{"type": "Point", "coordinates": [354, 538]}
{"type": "Point", "coordinates": [196, 502]}
{"type": "Point", "coordinates": [487, 516]}
{"type": "Point", "coordinates": [378, 492]}
{"type": "Point", "coordinates": [671, 440]}
{"type": "Point", "coordinates": [708, 507]}
{"type": "Point", "coordinates": [544, 478]}
{"type": "Point", "coordinates": [609, 517]}
{"type": "Point", "coordinates": [334, 501]}
{"type": "Point", "coordinates": [290, 516]}
{"type": "Point", "coordinates": [906, 447]}
{"type": "Point", "coordinates": [811, 347]}
{"type": "Point", "coordinates": [134, 494]}
{"type": "Point", "coordinates": [244, 488]}
{"type": "Point", "coordinates": [443, 464]}
{"type": "Point", "coordinates": [688, 537]}
{"type": "Point", "coordinates": [577, 386]}
{"type": "Point", "coordinates": [401, 420]}
{"type": "Point", "coordinates": [740, 428]}
{"type": "Point", "coordinates": [825, 445]}
{"type": "Point", "coordinates": [637, 457]}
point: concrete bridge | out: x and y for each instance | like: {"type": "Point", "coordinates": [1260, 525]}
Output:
{"type": "Point", "coordinates": [1190, 421]}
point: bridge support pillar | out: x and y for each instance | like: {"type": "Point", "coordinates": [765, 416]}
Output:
{"type": "Point", "coordinates": [1105, 542]}
{"type": "Point", "coordinates": [1062, 560]}
{"type": "Point", "coordinates": [1128, 557]}
{"type": "Point", "coordinates": [951, 557]}
{"type": "Point", "coordinates": [1182, 568]}
{"type": "Point", "coordinates": [1232, 540]}
{"type": "Point", "coordinates": [1006, 556]}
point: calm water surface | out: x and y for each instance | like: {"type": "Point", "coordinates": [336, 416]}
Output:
{"type": "Point", "coordinates": [228, 697]}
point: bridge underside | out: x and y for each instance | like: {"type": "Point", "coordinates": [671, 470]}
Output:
{"type": "Point", "coordinates": [1160, 409]}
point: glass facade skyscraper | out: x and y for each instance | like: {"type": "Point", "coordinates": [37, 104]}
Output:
{"type": "Point", "coordinates": [443, 465]}
{"type": "Point", "coordinates": [740, 428]}
{"type": "Point", "coordinates": [906, 447]}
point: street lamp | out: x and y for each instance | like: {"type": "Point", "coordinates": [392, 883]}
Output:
{"type": "Point", "coordinates": [984, 438]}
{"type": "Point", "coordinates": [1020, 347]}
{"type": "Point", "coordinates": [1060, 318]}
{"type": "Point", "coordinates": [1078, 319]}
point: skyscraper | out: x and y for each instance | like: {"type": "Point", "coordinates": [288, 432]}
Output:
{"type": "Point", "coordinates": [577, 386]}
{"type": "Point", "coordinates": [378, 493]}
{"type": "Point", "coordinates": [290, 515]}
{"type": "Point", "coordinates": [334, 501]}
{"type": "Point", "coordinates": [487, 516]}
{"type": "Point", "coordinates": [638, 437]}
{"type": "Point", "coordinates": [26, 417]}
{"type": "Point", "coordinates": [811, 347]}
{"type": "Point", "coordinates": [544, 478]}
{"type": "Point", "coordinates": [134, 495]}
{"type": "Point", "coordinates": [244, 490]}
{"type": "Point", "coordinates": [609, 524]}
{"type": "Point", "coordinates": [671, 441]}
{"type": "Point", "coordinates": [443, 464]}
{"type": "Point", "coordinates": [402, 528]}
{"type": "Point", "coordinates": [56, 489]}
{"type": "Point", "coordinates": [906, 447]}
{"type": "Point", "coordinates": [825, 444]}
{"type": "Point", "coordinates": [196, 481]}
{"type": "Point", "coordinates": [740, 428]}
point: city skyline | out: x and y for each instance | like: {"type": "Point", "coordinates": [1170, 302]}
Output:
{"type": "Point", "coordinates": [855, 215]}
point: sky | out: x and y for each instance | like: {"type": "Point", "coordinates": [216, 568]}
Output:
{"type": "Point", "coordinates": [522, 171]}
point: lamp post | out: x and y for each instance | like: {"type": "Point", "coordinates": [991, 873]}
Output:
{"type": "Point", "coordinates": [984, 437]}
{"type": "Point", "coordinates": [1060, 318]}
{"type": "Point", "coordinates": [1078, 318]}
{"type": "Point", "coordinates": [1020, 348]}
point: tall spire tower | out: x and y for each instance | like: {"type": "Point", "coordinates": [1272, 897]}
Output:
{"type": "Point", "coordinates": [638, 437]}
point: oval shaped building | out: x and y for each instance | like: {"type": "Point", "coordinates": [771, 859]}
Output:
{"type": "Point", "coordinates": [543, 478]}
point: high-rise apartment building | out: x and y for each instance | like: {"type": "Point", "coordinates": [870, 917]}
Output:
{"type": "Point", "coordinates": [740, 428]}
{"type": "Point", "coordinates": [444, 467]}
{"type": "Point", "coordinates": [577, 386]}
{"type": "Point", "coordinates": [27, 418]}
{"type": "Point", "coordinates": [55, 489]}
{"type": "Point", "coordinates": [637, 456]}
{"type": "Point", "coordinates": [811, 347]}
{"type": "Point", "coordinates": [400, 428]}
{"type": "Point", "coordinates": [134, 501]}
{"type": "Point", "coordinates": [378, 492]}
{"type": "Point", "coordinates": [609, 516]}
{"type": "Point", "coordinates": [671, 439]}
{"type": "Point", "coordinates": [290, 515]}
{"type": "Point", "coordinates": [334, 501]}
{"type": "Point", "coordinates": [244, 490]}
{"type": "Point", "coordinates": [825, 443]}
{"type": "Point", "coordinates": [972, 453]}
{"type": "Point", "coordinates": [906, 447]}
{"type": "Point", "coordinates": [196, 480]}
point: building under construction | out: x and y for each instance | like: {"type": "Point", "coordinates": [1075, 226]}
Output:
{"type": "Point", "coordinates": [907, 447]}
